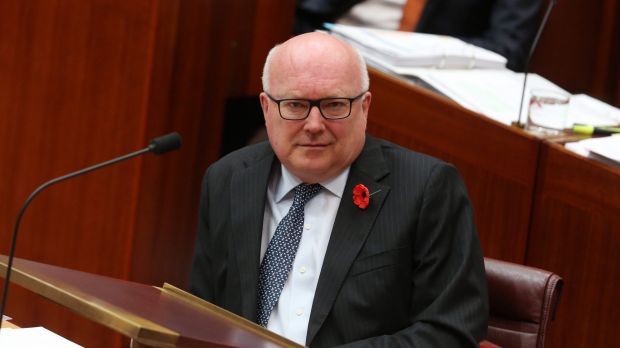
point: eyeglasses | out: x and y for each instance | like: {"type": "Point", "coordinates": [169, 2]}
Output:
{"type": "Point", "coordinates": [330, 108]}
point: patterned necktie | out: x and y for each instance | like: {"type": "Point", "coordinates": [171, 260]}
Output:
{"type": "Point", "coordinates": [278, 260]}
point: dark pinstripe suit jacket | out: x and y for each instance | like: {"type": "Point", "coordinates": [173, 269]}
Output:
{"type": "Point", "coordinates": [406, 271]}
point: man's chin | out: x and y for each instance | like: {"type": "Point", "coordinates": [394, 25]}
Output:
{"type": "Point", "coordinates": [305, 155]}
{"type": "Point", "coordinates": [310, 171]}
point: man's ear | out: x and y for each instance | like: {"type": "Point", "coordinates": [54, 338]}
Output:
{"type": "Point", "coordinates": [366, 103]}
{"type": "Point", "coordinates": [264, 104]}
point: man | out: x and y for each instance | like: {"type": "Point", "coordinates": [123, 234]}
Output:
{"type": "Point", "coordinates": [506, 27]}
{"type": "Point", "coordinates": [399, 265]}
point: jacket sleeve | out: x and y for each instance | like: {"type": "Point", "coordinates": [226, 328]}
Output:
{"type": "Point", "coordinates": [511, 30]}
{"type": "Point", "coordinates": [200, 280]}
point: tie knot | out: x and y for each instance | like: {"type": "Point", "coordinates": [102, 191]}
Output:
{"type": "Point", "coordinates": [305, 192]}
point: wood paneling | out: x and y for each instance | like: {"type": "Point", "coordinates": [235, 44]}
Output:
{"type": "Point", "coordinates": [75, 91]}
{"type": "Point", "coordinates": [273, 23]}
{"type": "Point", "coordinates": [575, 234]}
{"type": "Point", "coordinates": [580, 48]}
{"type": "Point", "coordinates": [615, 66]}
{"type": "Point", "coordinates": [85, 81]}
{"type": "Point", "coordinates": [425, 122]}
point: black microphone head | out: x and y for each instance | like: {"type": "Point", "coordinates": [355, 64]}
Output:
{"type": "Point", "coordinates": [165, 143]}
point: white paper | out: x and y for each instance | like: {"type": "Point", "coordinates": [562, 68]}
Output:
{"type": "Point", "coordinates": [493, 93]}
{"type": "Point", "coordinates": [608, 147]}
{"type": "Point", "coordinates": [587, 110]}
{"type": "Point", "coordinates": [33, 337]}
{"type": "Point", "coordinates": [578, 148]}
{"type": "Point", "coordinates": [409, 49]}
{"type": "Point", "coordinates": [497, 93]}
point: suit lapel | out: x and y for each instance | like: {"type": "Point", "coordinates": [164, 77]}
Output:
{"type": "Point", "coordinates": [248, 194]}
{"type": "Point", "coordinates": [350, 230]}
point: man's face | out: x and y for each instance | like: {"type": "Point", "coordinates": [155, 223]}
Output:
{"type": "Point", "coordinates": [315, 149]}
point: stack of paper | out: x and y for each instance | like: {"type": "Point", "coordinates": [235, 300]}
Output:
{"type": "Point", "coordinates": [587, 110]}
{"type": "Point", "coordinates": [494, 92]}
{"type": "Point", "coordinates": [497, 93]}
{"type": "Point", "coordinates": [605, 149]}
{"type": "Point", "coordinates": [33, 337]}
{"type": "Point", "coordinates": [398, 49]}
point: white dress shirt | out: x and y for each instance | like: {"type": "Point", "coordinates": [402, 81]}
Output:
{"type": "Point", "coordinates": [381, 14]}
{"type": "Point", "coordinates": [291, 314]}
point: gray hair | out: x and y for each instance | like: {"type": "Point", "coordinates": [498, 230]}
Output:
{"type": "Point", "coordinates": [365, 80]}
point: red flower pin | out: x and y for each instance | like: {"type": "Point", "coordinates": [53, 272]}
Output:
{"type": "Point", "coordinates": [361, 196]}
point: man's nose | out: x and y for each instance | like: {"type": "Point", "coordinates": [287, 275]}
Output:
{"type": "Point", "coordinates": [315, 121]}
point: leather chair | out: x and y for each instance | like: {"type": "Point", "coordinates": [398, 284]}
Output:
{"type": "Point", "coordinates": [523, 301]}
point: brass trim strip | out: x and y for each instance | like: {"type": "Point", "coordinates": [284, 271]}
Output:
{"type": "Point", "coordinates": [118, 319]}
{"type": "Point", "coordinates": [228, 316]}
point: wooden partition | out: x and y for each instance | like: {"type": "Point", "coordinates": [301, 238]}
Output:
{"type": "Point", "coordinates": [580, 48]}
{"type": "Point", "coordinates": [534, 202]}
{"type": "Point", "coordinates": [85, 81]}
{"type": "Point", "coordinates": [498, 163]}
{"type": "Point", "coordinates": [576, 233]}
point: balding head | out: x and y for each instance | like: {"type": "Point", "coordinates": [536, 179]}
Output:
{"type": "Point", "coordinates": [318, 49]}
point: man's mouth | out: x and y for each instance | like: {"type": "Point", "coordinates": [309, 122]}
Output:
{"type": "Point", "coordinates": [314, 145]}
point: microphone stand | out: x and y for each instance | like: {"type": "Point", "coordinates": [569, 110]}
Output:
{"type": "Point", "coordinates": [158, 146]}
{"type": "Point", "coordinates": [519, 123]}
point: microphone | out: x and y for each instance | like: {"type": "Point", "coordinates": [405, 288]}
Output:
{"type": "Point", "coordinates": [165, 143]}
{"type": "Point", "coordinates": [158, 146]}
{"type": "Point", "coordinates": [518, 123]}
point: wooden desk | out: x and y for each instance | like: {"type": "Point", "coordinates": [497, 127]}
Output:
{"type": "Point", "coordinates": [498, 163]}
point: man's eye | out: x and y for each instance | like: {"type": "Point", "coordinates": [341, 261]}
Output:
{"type": "Point", "coordinates": [334, 104]}
{"type": "Point", "coordinates": [294, 104]}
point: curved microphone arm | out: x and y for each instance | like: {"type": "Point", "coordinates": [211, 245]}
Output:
{"type": "Point", "coordinates": [11, 255]}
{"type": "Point", "coordinates": [158, 146]}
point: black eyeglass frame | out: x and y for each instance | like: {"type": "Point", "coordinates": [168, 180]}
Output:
{"type": "Point", "coordinates": [317, 103]}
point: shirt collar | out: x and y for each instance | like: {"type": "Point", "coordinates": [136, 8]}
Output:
{"type": "Point", "coordinates": [286, 182]}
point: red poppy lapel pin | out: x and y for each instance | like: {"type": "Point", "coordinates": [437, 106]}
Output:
{"type": "Point", "coordinates": [361, 196]}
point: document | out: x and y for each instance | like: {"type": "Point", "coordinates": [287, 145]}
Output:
{"type": "Point", "coordinates": [605, 149]}
{"type": "Point", "coordinates": [493, 93]}
{"type": "Point", "coordinates": [497, 94]}
{"type": "Point", "coordinates": [584, 109]}
{"type": "Point", "coordinates": [33, 337]}
{"type": "Point", "coordinates": [394, 49]}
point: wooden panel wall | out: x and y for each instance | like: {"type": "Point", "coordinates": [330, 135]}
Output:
{"type": "Point", "coordinates": [580, 48]}
{"type": "Point", "coordinates": [575, 233]}
{"type": "Point", "coordinates": [574, 224]}
{"type": "Point", "coordinates": [81, 84]}
{"type": "Point", "coordinates": [85, 81]}
{"type": "Point", "coordinates": [273, 23]}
